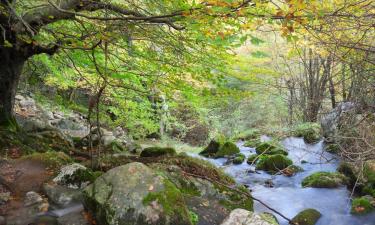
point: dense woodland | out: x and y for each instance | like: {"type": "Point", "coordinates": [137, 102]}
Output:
{"type": "Point", "coordinates": [99, 97]}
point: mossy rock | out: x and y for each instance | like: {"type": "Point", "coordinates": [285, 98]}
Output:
{"type": "Point", "coordinates": [292, 170]}
{"type": "Point", "coordinates": [333, 148]}
{"type": "Point", "coordinates": [252, 159]}
{"type": "Point", "coordinates": [227, 149]}
{"type": "Point", "coordinates": [324, 180]}
{"type": "Point", "coordinates": [135, 194]}
{"type": "Point", "coordinates": [307, 217]}
{"type": "Point", "coordinates": [309, 131]}
{"type": "Point", "coordinates": [158, 151]}
{"type": "Point", "coordinates": [212, 148]}
{"type": "Point", "coordinates": [273, 163]}
{"type": "Point", "coordinates": [270, 148]}
{"type": "Point", "coordinates": [239, 159]}
{"type": "Point", "coordinates": [362, 206]}
{"type": "Point", "coordinates": [253, 143]}
{"type": "Point", "coordinates": [369, 172]}
{"type": "Point", "coordinates": [269, 217]}
{"type": "Point", "coordinates": [348, 170]}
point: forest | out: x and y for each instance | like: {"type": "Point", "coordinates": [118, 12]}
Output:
{"type": "Point", "coordinates": [187, 112]}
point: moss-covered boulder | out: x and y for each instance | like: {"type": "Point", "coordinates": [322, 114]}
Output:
{"type": "Point", "coordinates": [362, 205]}
{"type": "Point", "coordinates": [307, 217]}
{"type": "Point", "coordinates": [332, 148]}
{"type": "Point", "coordinates": [273, 163]}
{"type": "Point", "coordinates": [309, 131]}
{"type": "Point", "coordinates": [242, 217]}
{"type": "Point", "coordinates": [270, 148]}
{"type": "Point", "coordinates": [324, 180]}
{"type": "Point", "coordinates": [212, 148]}
{"type": "Point", "coordinates": [158, 151]}
{"type": "Point", "coordinates": [239, 159]}
{"type": "Point", "coordinates": [135, 194]}
{"type": "Point", "coordinates": [252, 159]}
{"type": "Point", "coordinates": [248, 134]}
{"type": "Point", "coordinates": [227, 149]}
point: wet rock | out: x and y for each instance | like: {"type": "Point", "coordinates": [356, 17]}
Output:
{"type": "Point", "coordinates": [32, 198]}
{"type": "Point", "coordinates": [244, 217]}
{"type": "Point", "coordinates": [135, 194]}
{"type": "Point", "coordinates": [273, 163]}
{"type": "Point", "coordinates": [62, 196]}
{"type": "Point", "coordinates": [310, 132]}
{"type": "Point", "coordinates": [324, 180]}
{"type": "Point", "coordinates": [307, 217]}
{"type": "Point", "coordinates": [269, 183]}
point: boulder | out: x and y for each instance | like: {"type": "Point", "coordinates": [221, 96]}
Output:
{"type": "Point", "coordinates": [331, 121]}
{"type": "Point", "coordinates": [310, 132]}
{"type": "Point", "coordinates": [212, 148]}
{"type": "Point", "coordinates": [244, 217]}
{"type": "Point", "coordinates": [32, 198]}
{"type": "Point", "coordinates": [74, 176]}
{"type": "Point", "coordinates": [61, 195]}
{"type": "Point", "coordinates": [158, 151]}
{"type": "Point", "coordinates": [227, 149]}
{"type": "Point", "coordinates": [307, 217]}
{"type": "Point", "coordinates": [135, 194]}
{"type": "Point", "coordinates": [324, 180]}
{"type": "Point", "coordinates": [270, 148]}
{"type": "Point", "coordinates": [273, 163]}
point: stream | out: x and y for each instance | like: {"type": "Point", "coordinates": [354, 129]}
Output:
{"type": "Point", "coordinates": [287, 195]}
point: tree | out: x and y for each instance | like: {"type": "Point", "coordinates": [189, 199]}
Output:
{"type": "Point", "coordinates": [27, 29]}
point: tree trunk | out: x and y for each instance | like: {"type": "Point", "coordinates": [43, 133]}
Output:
{"type": "Point", "coordinates": [11, 65]}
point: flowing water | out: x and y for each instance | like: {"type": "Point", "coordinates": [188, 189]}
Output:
{"type": "Point", "coordinates": [287, 195]}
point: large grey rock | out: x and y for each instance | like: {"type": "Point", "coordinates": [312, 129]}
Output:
{"type": "Point", "coordinates": [135, 194]}
{"type": "Point", "coordinates": [244, 217]}
{"type": "Point", "coordinates": [32, 198]}
{"type": "Point", "coordinates": [62, 196]}
{"type": "Point", "coordinates": [331, 121]}
{"type": "Point", "coordinates": [74, 176]}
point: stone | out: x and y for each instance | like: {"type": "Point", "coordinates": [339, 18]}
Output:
{"type": "Point", "coordinates": [32, 198]}
{"type": "Point", "coordinates": [158, 151]}
{"type": "Point", "coordinates": [273, 163]}
{"type": "Point", "coordinates": [227, 149]}
{"type": "Point", "coordinates": [269, 148]}
{"type": "Point", "coordinates": [244, 217]}
{"type": "Point", "coordinates": [62, 196]}
{"type": "Point", "coordinates": [331, 121]}
{"type": "Point", "coordinates": [74, 176]}
{"type": "Point", "coordinates": [212, 148]}
{"type": "Point", "coordinates": [324, 180]}
{"type": "Point", "coordinates": [135, 194]}
{"type": "Point", "coordinates": [307, 217]}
